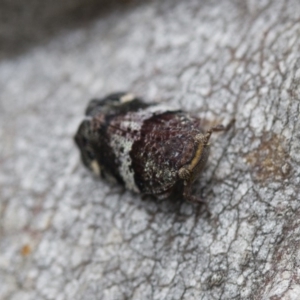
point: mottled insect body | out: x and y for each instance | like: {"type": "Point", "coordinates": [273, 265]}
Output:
{"type": "Point", "coordinates": [148, 148]}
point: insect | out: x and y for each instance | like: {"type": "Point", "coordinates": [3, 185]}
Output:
{"type": "Point", "coordinates": [148, 148]}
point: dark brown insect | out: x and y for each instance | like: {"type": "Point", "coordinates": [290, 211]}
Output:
{"type": "Point", "coordinates": [146, 147]}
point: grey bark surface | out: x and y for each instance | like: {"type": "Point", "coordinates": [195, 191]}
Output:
{"type": "Point", "coordinates": [67, 235]}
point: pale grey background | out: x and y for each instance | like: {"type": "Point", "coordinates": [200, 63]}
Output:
{"type": "Point", "coordinates": [65, 234]}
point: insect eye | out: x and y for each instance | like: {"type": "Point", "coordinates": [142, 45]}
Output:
{"type": "Point", "coordinates": [84, 141]}
{"type": "Point", "coordinates": [90, 154]}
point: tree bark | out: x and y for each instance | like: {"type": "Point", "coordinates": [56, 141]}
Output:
{"type": "Point", "coordinates": [67, 235]}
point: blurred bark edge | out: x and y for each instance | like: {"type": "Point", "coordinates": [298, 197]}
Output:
{"type": "Point", "coordinates": [25, 23]}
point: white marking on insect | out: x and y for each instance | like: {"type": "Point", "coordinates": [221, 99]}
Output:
{"type": "Point", "coordinates": [117, 143]}
{"type": "Point", "coordinates": [127, 98]}
{"type": "Point", "coordinates": [95, 167]}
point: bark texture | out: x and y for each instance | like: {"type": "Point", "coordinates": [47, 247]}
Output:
{"type": "Point", "coordinates": [66, 235]}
